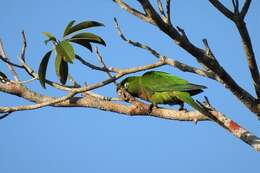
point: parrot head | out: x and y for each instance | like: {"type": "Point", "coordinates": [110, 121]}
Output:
{"type": "Point", "coordinates": [130, 84]}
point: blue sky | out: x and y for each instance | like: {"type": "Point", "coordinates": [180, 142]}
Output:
{"type": "Point", "coordinates": [88, 140]}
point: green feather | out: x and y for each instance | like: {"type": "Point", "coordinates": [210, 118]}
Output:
{"type": "Point", "coordinates": [163, 88]}
{"type": "Point", "coordinates": [156, 81]}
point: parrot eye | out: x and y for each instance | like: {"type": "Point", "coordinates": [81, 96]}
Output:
{"type": "Point", "coordinates": [126, 85]}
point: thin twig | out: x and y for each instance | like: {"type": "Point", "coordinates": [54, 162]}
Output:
{"type": "Point", "coordinates": [162, 13]}
{"type": "Point", "coordinates": [39, 105]}
{"type": "Point", "coordinates": [105, 98]}
{"type": "Point", "coordinates": [5, 115]}
{"type": "Point", "coordinates": [245, 8]}
{"type": "Point", "coordinates": [225, 11]}
{"type": "Point", "coordinates": [5, 58]}
{"type": "Point", "coordinates": [236, 7]}
{"type": "Point", "coordinates": [160, 6]}
{"type": "Point", "coordinates": [207, 49]}
{"type": "Point", "coordinates": [181, 66]}
{"type": "Point", "coordinates": [100, 59]}
{"type": "Point", "coordinates": [24, 45]}
{"type": "Point", "coordinates": [183, 33]}
{"type": "Point", "coordinates": [92, 66]}
{"type": "Point", "coordinates": [28, 81]}
{"type": "Point", "coordinates": [168, 11]}
{"type": "Point", "coordinates": [10, 63]}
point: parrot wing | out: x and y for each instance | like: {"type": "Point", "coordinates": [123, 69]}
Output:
{"type": "Point", "coordinates": [156, 81]}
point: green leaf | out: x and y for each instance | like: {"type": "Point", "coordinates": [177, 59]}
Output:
{"type": "Point", "coordinates": [66, 51]}
{"type": "Point", "coordinates": [61, 68]}
{"type": "Point", "coordinates": [43, 68]}
{"type": "Point", "coordinates": [84, 43]}
{"type": "Point", "coordinates": [50, 37]}
{"type": "Point", "coordinates": [68, 27]}
{"type": "Point", "coordinates": [83, 25]}
{"type": "Point", "coordinates": [88, 37]}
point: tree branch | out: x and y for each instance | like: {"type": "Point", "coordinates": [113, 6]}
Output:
{"type": "Point", "coordinates": [211, 63]}
{"type": "Point", "coordinates": [234, 128]}
{"type": "Point", "coordinates": [248, 49]}
{"type": "Point", "coordinates": [134, 11]}
{"type": "Point", "coordinates": [179, 65]}
{"type": "Point", "coordinates": [162, 13]}
{"type": "Point", "coordinates": [90, 101]}
{"type": "Point", "coordinates": [4, 57]}
{"type": "Point", "coordinates": [245, 8]}
{"type": "Point", "coordinates": [168, 11]}
{"type": "Point", "coordinates": [238, 19]}
{"type": "Point", "coordinates": [225, 11]}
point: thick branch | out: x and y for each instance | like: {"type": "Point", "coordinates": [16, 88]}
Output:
{"type": "Point", "coordinates": [248, 48]}
{"type": "Point", "coordinates": [94, 102]}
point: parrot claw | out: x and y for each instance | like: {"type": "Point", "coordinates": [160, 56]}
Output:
{"type": "Point", "coordinates": [182, 107]}
{"type": "Point", "coordinates": [133, 109]}
{"type": "Point", "coordinates": [151, 107]}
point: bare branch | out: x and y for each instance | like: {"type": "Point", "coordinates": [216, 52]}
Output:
{"type": "Point", "coordinates": [236, 7]}
{"type": "Point", "coordinates": [160, 6]}
{"type": "Point", "coordinates": [183, 33]}
{"type": "Point", "coordinates": [36, 106]}
{"type": "Point", "coordinates": [5, 115]}
{"type": "Point", "coordinates": [245, 97]}
{"type": "Point", "coordinates": [24, 45]}
{"type": "Point", "coordinates": [162, 13]}
{"type": "Point", "coordinates": [225, 11]}
{"type": "Point", "coordinates": [28, 81]}
{"type": "Point", "coordinates": [5, 58]}
{"type": "Point", "coordinates": [134, 11]}
{"type": "Point", "coordinates": [100, 59]}
{"type": "Point", "coordinates": [91, 101]}
{"type": "Point", "coordinates": [250, 55]}
{"type": "Point", "coordinates": [92, 66]}
{"type": "Point", "coordinates": [19, 90]}
{"type": "Point", "coordinates": [207, 49]}
{"type": "Point", "coordinates": [101, 97]}
{"type": "Point", "coordinates": [241, 26]}
{"type": "Point", "coordinates": [232, 127]}
{"type": "Point", "coordinates": [10, 63]}
{"type": "Point", "coordinates": [245, 8]}
{"type": "Point", "coordinates": [168, 11]}
{"type": "Point", "coordinates": [181, 66]}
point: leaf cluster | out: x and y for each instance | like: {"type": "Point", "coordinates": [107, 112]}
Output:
{"type": "Point", "coordinates": [64, 51]}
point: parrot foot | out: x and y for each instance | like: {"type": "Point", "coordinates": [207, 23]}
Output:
{"type": "Point", "coordinates": [182, 107]}
{"type": "Point", "coordinates": [133, 109]}
{"type": "Point", "coordinates": [151, 107]}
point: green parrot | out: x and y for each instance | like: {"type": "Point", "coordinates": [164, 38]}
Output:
{"type": "Point", "coordinates": [163, 88]}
